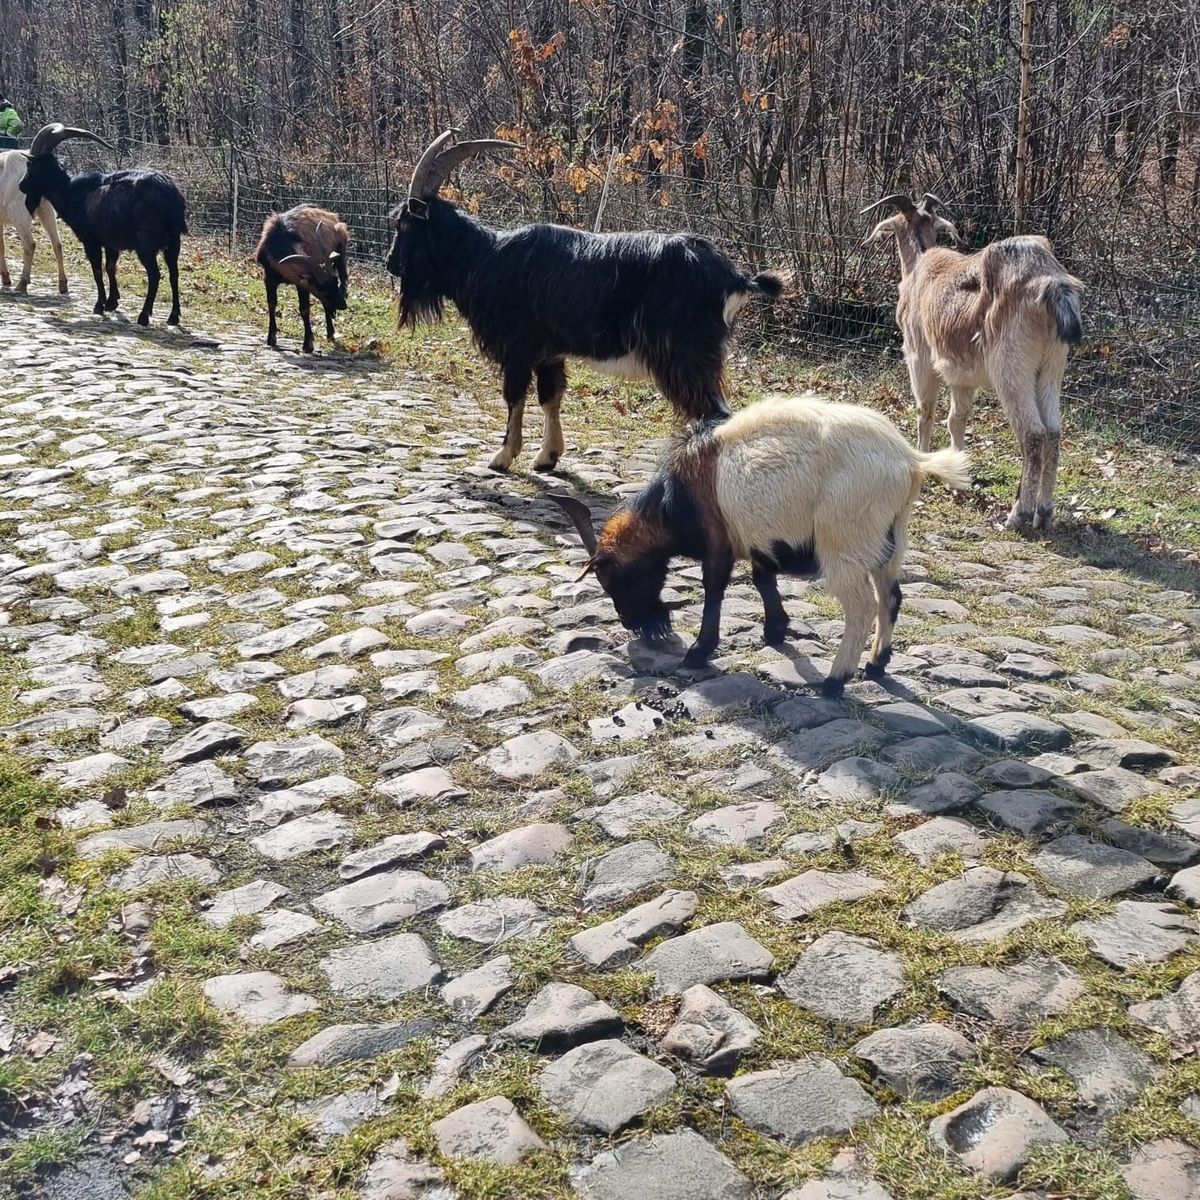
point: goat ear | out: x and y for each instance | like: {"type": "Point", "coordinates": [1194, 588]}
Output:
{"type": "Point", "coordinates": [581, 515]}
{"type": "Point", "coordinates": [418, 208]}
{"type": "Point", "coordinates": [947, 227]}
{"type": "Point", "coordinates": [883, 230]}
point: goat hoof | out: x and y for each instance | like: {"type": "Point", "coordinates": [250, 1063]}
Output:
{"type": "Point", "coordinates": [876, 667]}
{"type": "Point", "coordinates": [111, 305]}
{"type": "Point", "coordinates": [695, 658]}
{"type": "Point", "coordinates": [99, 310]}
{"type": "Point", "coordinates": [62, 287]}
{"type": "Point", "coordinates": [173, 319]}
{"type": "Point", "coordinates": [500, 463]}
{"type": "Point", "coordinates": [1042, 518]}
{"type": "Point", "coordinates": [834, 686]}
{"type": "Point", "coordinates": [23, 288]}
{"type": "Point", "coordinates": [775, 635]}
{"type": "Point", "coordinates": [1018, 520]}
{"type": "Point", "coordinates": [545, 464]}
{"type": "Point", "coordinates": [144, 321]}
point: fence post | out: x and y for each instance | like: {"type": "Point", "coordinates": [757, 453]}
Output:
{"type": "Point", "coordinates": [233, 203]}
{"type": "Point", "coordinates": [1023, 118]}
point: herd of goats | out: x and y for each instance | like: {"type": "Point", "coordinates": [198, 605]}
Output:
{"type": "Point", "coordinates": [796, 485]}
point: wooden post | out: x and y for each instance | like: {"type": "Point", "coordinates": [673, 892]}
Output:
{"type": "Point", "coordinates": [233, 203]}
{"type": "Point", "coordinates": [1022, 181]}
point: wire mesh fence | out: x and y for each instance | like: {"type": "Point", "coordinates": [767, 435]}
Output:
{"type": "Point", "coordinates": [1139, 367]}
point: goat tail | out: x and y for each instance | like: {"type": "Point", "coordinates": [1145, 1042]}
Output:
{"type": "Point", "coordinates": [1060, 295]}
{"type": "Point", "coordinates": [770, 284]}
{"type": "Point", "coordinates": [952, 467]}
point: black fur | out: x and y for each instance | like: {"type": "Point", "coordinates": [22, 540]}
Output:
{"type": "Point", "coordinates": [1063, 302]}
{"type": "Point", "coordinates": [287, 233]}
{"type": "Point", "coordinates": [894, 601]}
{"type": "Point", "coordinates": [791, 560]}
{"type": "Point", "coordinates": [139, 210]}
{"type": "Point", "coordinates": [544, 292]}
{"type": "Point", "coordinates": [668, 499]}
{"type": "Point", "coordinates": [636, 589]}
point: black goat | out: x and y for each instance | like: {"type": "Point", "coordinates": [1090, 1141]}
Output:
{"type": "Point", "coordinates": [139, 210]}
{"type": "Point", "coordinates": [306, 247]}
{"type": "Point", "coordinates": [636, 305]}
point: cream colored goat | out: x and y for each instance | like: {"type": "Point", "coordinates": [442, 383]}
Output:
{"type": "Point", "coordinates": [791, 484]}
{"type": "Point", "coordinates": [1001, 318]}
{"type": "Point", "coordinates": [13, 212]}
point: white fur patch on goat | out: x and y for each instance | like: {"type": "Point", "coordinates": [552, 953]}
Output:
{"type": "Point", "coordinates": [628, 366]}
{"type": "Point", "coordinates": [734, 303]}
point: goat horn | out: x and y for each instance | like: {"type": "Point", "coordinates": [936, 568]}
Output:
{"type": "Point", "coordinates": [318, 269]}
{"type": "Point", "coordinates": [418, 188]}
{"type": "Point", "coordinates": [440, 159]}
{"type": "Point", "coordinates": [581, 515]}
{"type": "Point", "coordinates": [899, 199]}
{"type": "Point", "coordinates": [49, 136]}
{"type": "Point", "coordinates": [930, 203]}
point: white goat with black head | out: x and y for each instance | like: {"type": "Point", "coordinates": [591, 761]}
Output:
{"type": "Point", "coordinates": [13, 165]}
{"type": "Point", "coordinates": [795, 485]}
{"type": "Point", "coordinates": [1003, 318]}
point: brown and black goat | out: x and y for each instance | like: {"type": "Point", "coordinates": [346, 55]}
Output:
{"type": "Point", "coordinates": [796, 485]}
{"type": "Point", "coordinates": [307, 247]}
{"type": "Point", "coordinates": [641, 306]}
{"type": "Point", "coordinates": [1003, 318]}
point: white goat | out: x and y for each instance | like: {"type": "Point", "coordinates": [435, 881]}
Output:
{"type": "Point", "coordinates": [13, 164]}
{"type": "Point", "coordinates": [796, 485]}
{"type": "Point", "coordinates": [1001, 318]}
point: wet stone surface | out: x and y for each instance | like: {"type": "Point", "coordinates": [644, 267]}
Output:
{"type": "Point", "coordinates": [352, 778]}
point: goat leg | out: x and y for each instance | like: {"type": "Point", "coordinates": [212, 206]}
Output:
{"type": "Point", "coordinates": [858, 602]}
{"type": "Point", "coordinates": [26, 261]}
{"type": "Point", "coordinates": [516, 384]}
{"type": "Point", "coordinates": [93, 256]}
{"type": "Point", "coordinates": [171, 254]}
{"type": "Point", "coordinates": [5, 277]}
{"type": "Point", "coordinates": [153, 275]}
{"type": "Point", "coordinates": [1044, 513]}
{"type": "Point", "coordinates": [110, 266]}
{"type": "Point", "coordinates": [717, 568]}
{"type": "Point", "coordinates": [306, 317]}
{"type": "Point", "coordinates": [551, 384]}
{"type": "Point", "coordinates": [775, 618]}
{"type": "Point", "coordinates": [329, 323]}
{"type": "Point", "coordinates": [271, 282]}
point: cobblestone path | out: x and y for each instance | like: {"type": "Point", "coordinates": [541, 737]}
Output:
{"type": "Point", "coordinates": [484, 900]}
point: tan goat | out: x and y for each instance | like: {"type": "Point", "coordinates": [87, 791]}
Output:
{"type": "Point", "coordinates": [1002, 318]}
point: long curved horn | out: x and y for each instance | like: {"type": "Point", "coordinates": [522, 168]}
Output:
{"type": "Point", "coordinates": [899, 199]}
{"type": "Point", "coordinates": [440, 159]}
{"type": "Point", "coordinates": [312, 264]}
{"type": "Point", "coordinates": [418, 188]}
{"type": "Point", "coordinates": [49, 136]}
{"type": "Point", "coordinates": [581, 515]}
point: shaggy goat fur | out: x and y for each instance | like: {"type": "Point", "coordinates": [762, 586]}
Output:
{"type": "Point", "coordinates": [635, 305]}
{"type": "Point", "coordinates": [139, 210]}
{"type": "Point", "coordinates": [306, 247]}
{"type": "Point", "coordinates": [13, 164]}
{"type": "Point", "coordinates": [1001, 318]}
{"type": "Point", "coordinates": [796, 485]}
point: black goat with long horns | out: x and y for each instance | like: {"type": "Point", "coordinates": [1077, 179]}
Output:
{"type": "Point", "coordinates": [139, 210]}
{"type": "Point", "coordinates": [635, 305]}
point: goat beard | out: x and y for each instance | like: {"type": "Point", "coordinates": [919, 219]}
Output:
{"type": "Point", "coordinates": [416, 308]}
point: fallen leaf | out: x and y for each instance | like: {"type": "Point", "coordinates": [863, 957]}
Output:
{"type": "Point", "coordinates": [172, 1071]}
{"type": "Point", "coordinates": [41, 1044]}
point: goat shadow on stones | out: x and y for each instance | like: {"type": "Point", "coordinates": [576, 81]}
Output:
{"type": "Point", "coordinates": [34, 299]}
{"type": "Point", "coordinates": [1111, 550]}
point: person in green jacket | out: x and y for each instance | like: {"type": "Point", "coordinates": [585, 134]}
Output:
{"type": "Point", "coordinates": [10, 124]}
